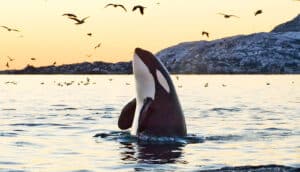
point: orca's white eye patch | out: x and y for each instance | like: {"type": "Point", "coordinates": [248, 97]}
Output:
{"type": "Point", "coordinates": [162, 81]}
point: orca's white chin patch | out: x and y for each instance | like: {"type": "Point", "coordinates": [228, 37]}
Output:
{"type": "Point", "coordinates": [145, 84]}
{"type": "Point", "coordinates": [145, 87]}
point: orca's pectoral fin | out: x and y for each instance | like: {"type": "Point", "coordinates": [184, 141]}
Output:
{"type": "Point", "coordinates": [146, 110]}
{"type": "Point", "coordinates": [127, 115]}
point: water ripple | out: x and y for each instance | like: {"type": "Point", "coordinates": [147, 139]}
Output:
{"type": "Point", "coordinates": [8, 134]}
{"type": "Point", "coordinates": [37, 124]}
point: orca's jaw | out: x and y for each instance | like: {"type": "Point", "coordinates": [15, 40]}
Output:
{"type": "Point", "coordinates": [145, 87]}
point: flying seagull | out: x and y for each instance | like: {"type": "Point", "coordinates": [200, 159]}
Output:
{"type": "Point", "coordinates": [32, 58]}
{"type": "Point", "coordinates": [97, 46]}
{"type": "Point", "coordinates": [141, 8]}
{"type": "Point", "coordinates": [204, 33]}
{"type": "Point", "coordinates": [10, 29]}
{"type": "Point", "coordinates": [258, 12]}
{"type": "Point", "coordinates": [226, 16]}
{"type": "Point", "coordinates": [89, 34]}
{"type": "Point", "coordinates": [78, 20]}
{"type": "Point", "coordinates": [70, 15]}
{"type": "Point", "coordinates": [116, 5]}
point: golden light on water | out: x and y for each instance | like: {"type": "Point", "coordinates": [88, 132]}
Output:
{"type": "Point", "coordinates": [48, 36]}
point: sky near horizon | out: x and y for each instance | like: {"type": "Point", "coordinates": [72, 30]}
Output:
{"type": "Point", "coordinates": [48, 36]}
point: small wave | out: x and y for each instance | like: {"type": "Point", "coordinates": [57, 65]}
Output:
{"type": "Point", "coordinates": [64, 109]}
{"type": "Point", "coordinates": [9, 163]}
{"type": "Point", "coordinates": [82, 171]}
{"type": "Point", "coordinates": [8, 134]}
{"type": "Point", "coordinates": [276, 129]}
{"type": "Point", "coordinates": [59, 105]}
{"type": "Point", "coordinates": [23, 144]}
{"type": "Point", "coordinates": [9, 109]}
{"type": "Point", "coordinates": [37, 124]}
{"type": "Point", "coordinates": [260, 168]}
{"type": "Point", "coordinates": [226, 109]}
{"type": "Point", "coordinates": [106, 116]}
{"type": "Point", "coordinates": [126, 137]}
{"type": "Point", "coordinates": [88, 119]}
{"type": "Point", "coordinates": [71, 128]}
{"type": "Point", "coordinates": [224, 138]}
{"type": "Point", "coordinates": [96, 109]}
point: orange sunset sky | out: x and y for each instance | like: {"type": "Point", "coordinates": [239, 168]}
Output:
{"type": "Point", "coordinates": [48, 36]}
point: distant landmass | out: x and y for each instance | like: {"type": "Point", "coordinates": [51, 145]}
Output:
{"type": "Point", "coordinates": [275, 52]}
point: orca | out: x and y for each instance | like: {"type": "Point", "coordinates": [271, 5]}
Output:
{"type": "Point", "coordinates": [156, 110]}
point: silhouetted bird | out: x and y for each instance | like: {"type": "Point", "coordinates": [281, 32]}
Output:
{"type": "Point", "coordinates": [116, 5]}
{"type": "Point", "coordinates": [97, 46]}
{"type": "Point", "coordinates": [258, 12]}
{"type": "Point", "coordinates": [32, 58]}
{"type": "Point", "coordinates": [268, 83]}
{"type": "Point", "coordinates": [54, 63]}
{"type": "Point", "coordinates": [204, 33]}
{"type": "Point", "coordinates": [89, 34]}
{"type": "Point", "coordinates": [10, 59]}
{"type": "Point", "coordinates": [141, 8]}
{"type": "Point", "coordinates": [226, 16]}
{"type": "Point", "coordinates": [7, 65]}
{"type": "Point", "coordinates": [78, 21]}
{"type": "Point", "coordinates": [70, 15]}
{"type": "Point", "coordinates": [10, 29]}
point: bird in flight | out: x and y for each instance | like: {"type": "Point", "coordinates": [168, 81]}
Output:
{"type": "Point", "coordinates": [10, 59]}
{"type": "Point", "coordinates": [54, 63]}
{"type": "Point", "coordinates": [70, 15]}
{"type": "Point", "coordinates": [97, 46]}
{"type": "Point", "coordinates": [78, 21]}
{"type": "Point", "coordinates": [116, 5]}
{"type": "Point", "coordinates": [258, 12]}
{"type": "Point", "coordinates": [74, 17]}
{"type": "Point", "coordinates": [7, 65]}
{"type": "Point", "coordinates": [227, 16]}
{"type": "Point", "coordinates": [204, 33]}
{"type": "Point", "coordinates": [89, 34]}
{"type": "Point", "coordinates": [141, 8]}
{"type": "Point", "coordinates": [10, 29]}
{"type": "Point", "coordinates": [32, 58]}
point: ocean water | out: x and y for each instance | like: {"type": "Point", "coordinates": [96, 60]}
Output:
{"type": "Point", "coordinates": [48, 123]}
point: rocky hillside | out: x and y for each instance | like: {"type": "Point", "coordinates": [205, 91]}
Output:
{"type": "Point", "coordinates": [290, 26]}
{"type": "Point", "coordinates": [252, 54]}
{"type": "Point", "coordinates": [274, 52]}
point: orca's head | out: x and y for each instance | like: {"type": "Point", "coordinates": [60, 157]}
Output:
{"type": "Point", "coordinates": [149, 71]}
